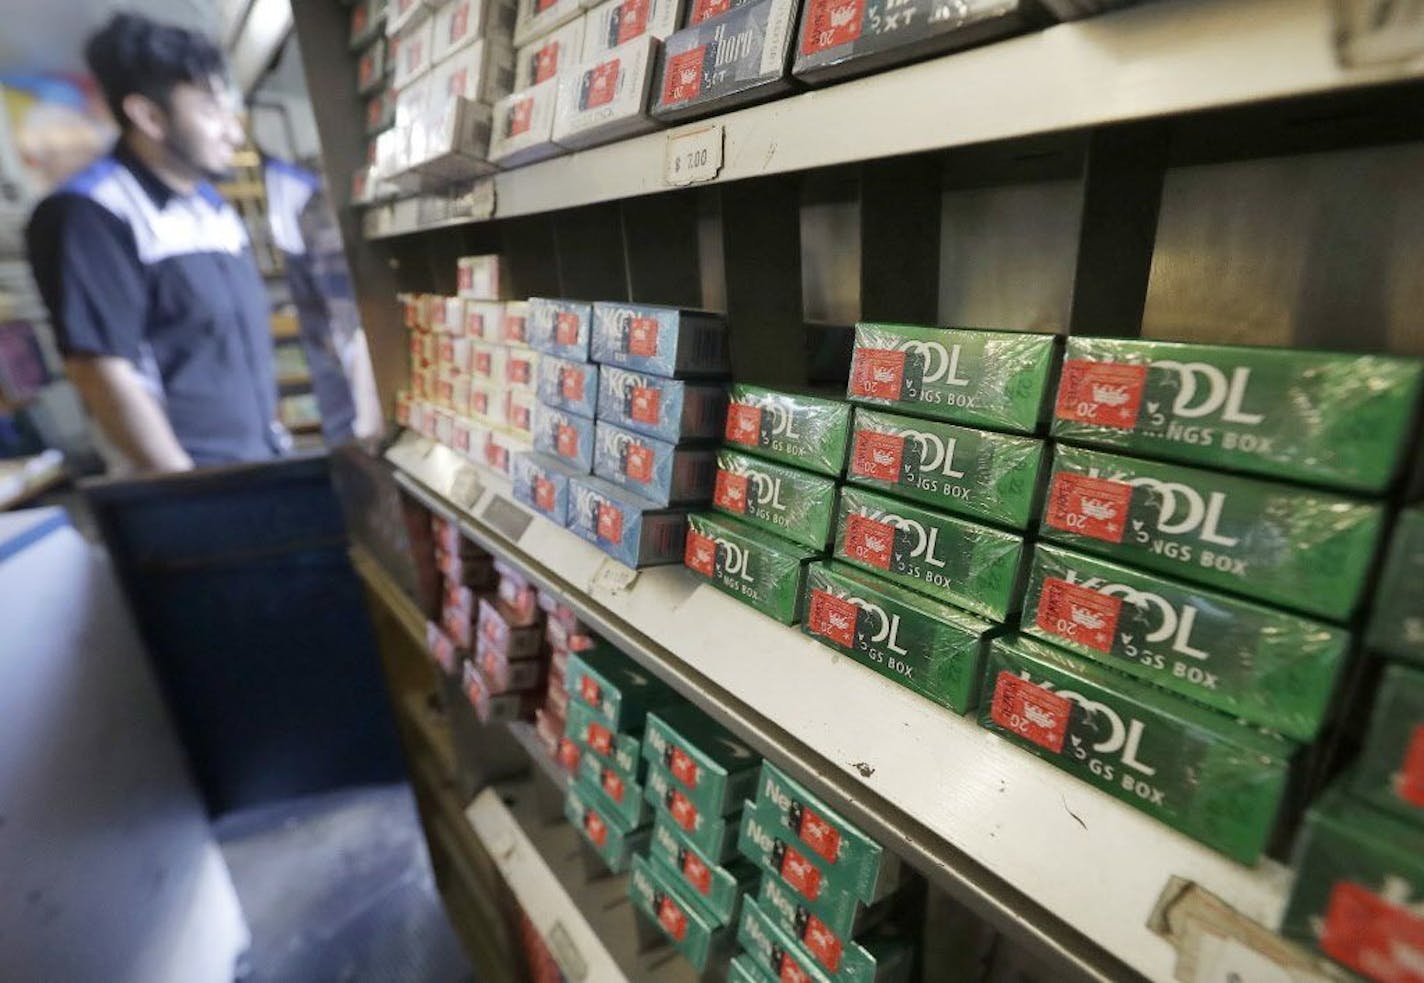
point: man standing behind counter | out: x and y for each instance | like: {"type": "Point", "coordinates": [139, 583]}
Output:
{"type": "Point", "coordinates": [156, 302]}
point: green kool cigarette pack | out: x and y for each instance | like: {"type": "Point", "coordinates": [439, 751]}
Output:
{"type": "Point", "coordinates": [876, 961]}
{"type": "Point", "coordinates": [984, 475]}
{"type": "Point", "coordinates": [620, 798]}
{"type": "Point", "coordinates": [596, 823]}
{"type": "Point", "coordinates": [712, 767]}
{"type": "Point", "coordinates": [1300, 548]}
{"type": "Point", "coordinates": [691, 930]}
{"type": "Point", "coordinates": [587, 728]}
{"type": "Point", "coordinates": [615, 686]}
{"type": "Point", "coordinates": [1390, 770]}
{"type": "Point", "coordinates": [849, 859]}
{"type": "Point", "coordinates": [786, 501]}
{"type": "Point", "coordinates": [927, 647]}
{"type": "Point", "coordinates": [1397, 624]}
{"type": "Point", "coordinates": [761, 840]}
{"type": "Point", "coordinates": [975, 567]}
{"type": "Point", "coordinates": [995, 379]}
{"type": "Point", "coordinates": [1359, 888]}
{"type": "Point", "coordinates": [716, 888]}
{"type": "Point", "coordinates": [757, 568]}
{"type": "Point", "coordinates": [808, 431]}
{"type": "Point", "coordinates": [712, 834]}
{"type": "Point", "coordinates": [1212, 778]}
{"type": "Point", "coordinates": [1268, 667]}
{"type": "Point", "coordinates": [1333, 419]}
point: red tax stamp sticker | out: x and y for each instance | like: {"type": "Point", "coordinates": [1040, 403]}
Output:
{"type": "Point", "coordinates": [1031, 712]}
{"type": "Point", "coordinates": [877, 373]}
{"type": "Point", "coordinates": [1078, 614]}
{"type": "Point", "coordinates": [1093, 507]}
{"type": "Point", "coordinates": [1106, 394]}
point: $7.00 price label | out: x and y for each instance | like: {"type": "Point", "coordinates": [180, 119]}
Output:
{"type": "Point", "coordinates": [693, 156]}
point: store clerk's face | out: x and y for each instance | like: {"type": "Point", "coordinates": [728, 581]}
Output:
{"type": "Point", "coordinates": [202, 131]}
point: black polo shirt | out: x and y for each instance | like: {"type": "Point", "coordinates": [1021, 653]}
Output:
{"type": "Point", "coordinates": [131, 268]}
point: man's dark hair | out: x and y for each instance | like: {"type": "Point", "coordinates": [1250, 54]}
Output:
{"type": "Point", "coordinates": [132, 54]}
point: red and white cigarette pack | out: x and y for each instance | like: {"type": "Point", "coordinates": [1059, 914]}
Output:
{"type": "Point", "coordinates": [606, 98]}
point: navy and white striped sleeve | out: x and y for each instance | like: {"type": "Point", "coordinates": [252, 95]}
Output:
{"type": "Point", "coordinates": [87, 267]}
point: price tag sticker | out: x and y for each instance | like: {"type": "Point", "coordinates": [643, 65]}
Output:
{"type": "Point", "coordinates": [693, 156]}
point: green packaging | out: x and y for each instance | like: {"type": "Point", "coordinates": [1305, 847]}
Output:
{"type": "Point", "coordinates": [716, 888]}
{"type": "Point", "coordinates": [613, 844]}
{"type": "Point", "coordinates": [759, 841]}
{"type": "Point", "coordinates": [879, 960]}
{"type": "Point", "coordinates": [1358, 888]}
{"type": "Point", "coordinates": [692, 932]}
{"type": "Point", "coordinates": [1390, 770]}
{"type": "Point", "coordinates": [975, 567]}
{"type": "Point", "coordinates": [996, 379]}
{"type": "Point", "coordinates": [789, 502]}
{"type": "Point", "coordinates": [712, 768]}
{"type": "Point", "coordinates": [848, 858]}
{"type": "Point", "coordinates": [927, 647]}
{"type": "Point", "coordinates": [1212, 778]}
{"type": "Point", "coordinates": [984, 475]}
{"type": "Point", "coordinates": [622, 798]}
{"type": "Point", "coordinates": [715, 836]}
{"type": "Point", "coordinates": [1341, 420]}
{"type": "Point", "coordinates": [807, 431]}
{"type": "Point", "coordinates": [1266, 666]}
{"type": "Point", "coordinates": [762, 571]}
{"type": "Point", "coordinates": [1397, 624]}
{"type": "Point", "coordinates": [743, 970]}
{"type": "Point", "coordinates": [613, 684]}
{"type": "Point", "coordinates": [1303, 549]}
{"type": "Point", "coordinates": [587, 728]}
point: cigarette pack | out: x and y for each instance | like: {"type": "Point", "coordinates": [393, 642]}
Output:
{"type": "Point", "coordinates": [522, 130]}
{"type": "Point", "coordinates": [367, 21]}
{"type": "Point", "coordinates": [1263, 665]}
{"type": "Point", "coordinates": [1359, 878]}
{"type": "Point", "coordinates": [974, 567]}
{"type": "Point", "coordinates": [536, 18]}
{"type": "Point", "coordinates": [615, 687]}
{"type": "Point", "coordinates": [1341, 420]}
{"type": "Point", "coordinates": [568, 386]}
{"type": "Point", "coordinates": [540, 60]}
{"type": "Point", "coordinates": [665, 341]}
{"type": "Point", "coordinates": [513, 327]}
{"type": "Point", "coordinates": [808, 431]}
{"type": "Point", "coordinates": [996, 379]}
{"type": "Point", "coordinates": [737, 58]}
{"type": "Point", "coordinates": [519, 407]}
{"type": "Point", "coordinates": [852, 860]}
{"type": "Point", "coordinates": [789, 502]}
{"type": "Point", "coordinates": [658, 471]}
{"type": "Point", "coordinates": [766, 945]}
{"type": "Point", "coordinates": [876, 960]}
{"type": "Point", "coordinates": [669, 409]}
{"type": "Point", "coordinates": [1303, 549]}
{"type": "Point", "coordinates": [409, 52]}
{"type": "Point", "coordinates": [487, 363]}
{"type": "Point", "coordinates": [501, 632]}
{"type": "Point", "coordinates": [712, 768]}
{"type": "Point", "coordinates": [1215, 779]}
{"type": "Point", "coordinates": [928, 647]}
{"type": "Point", "coordinates": [482, 72]}
{"type": "Point", "coordinates": [715, 835]}
{"type": "Point", "coordinates": [715, 887]}
{"type": "Point", "coordinates": [617, 22]}
{"type": "Point", "coordinates": [658, 894]}
{"type": "Point", "coordinates": [617, 795]}
{"type": "Point", "coordinates": [542, 483]}
{"type": "Point", "coordinates": [841, 38]}
{"type": "Point", "coordinates": [600, 827]}
{"type": "Point", "coordinates": [1390, 770]}
{"type": "Point", "coordinates": [560, 327]}
{"type": "Point", "coordinates": [520, 369]}
{"type": "Point", "coordinates": [1397, 623]}
{"type": "Point", "coordinates": [606, 98]}
{"type": "Point", "coordinates": [564, 436]}
{"type": "Point", "coordinates": [755, 567]}
{"type": "Point", "coordinates": [371, 73]}
{"type": "Point", "coordinates": [980, 474]}
{"type": "Point", "coordinates": [632, 530]}
{"type": "Point", "coordinates": [480, 278]}
{"type": "Point", "coordinates": [460, 22]}
{"type": "Point", "coordinates": [761, 840]}
{"type": "Point", "coordinates": [621, 751]}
